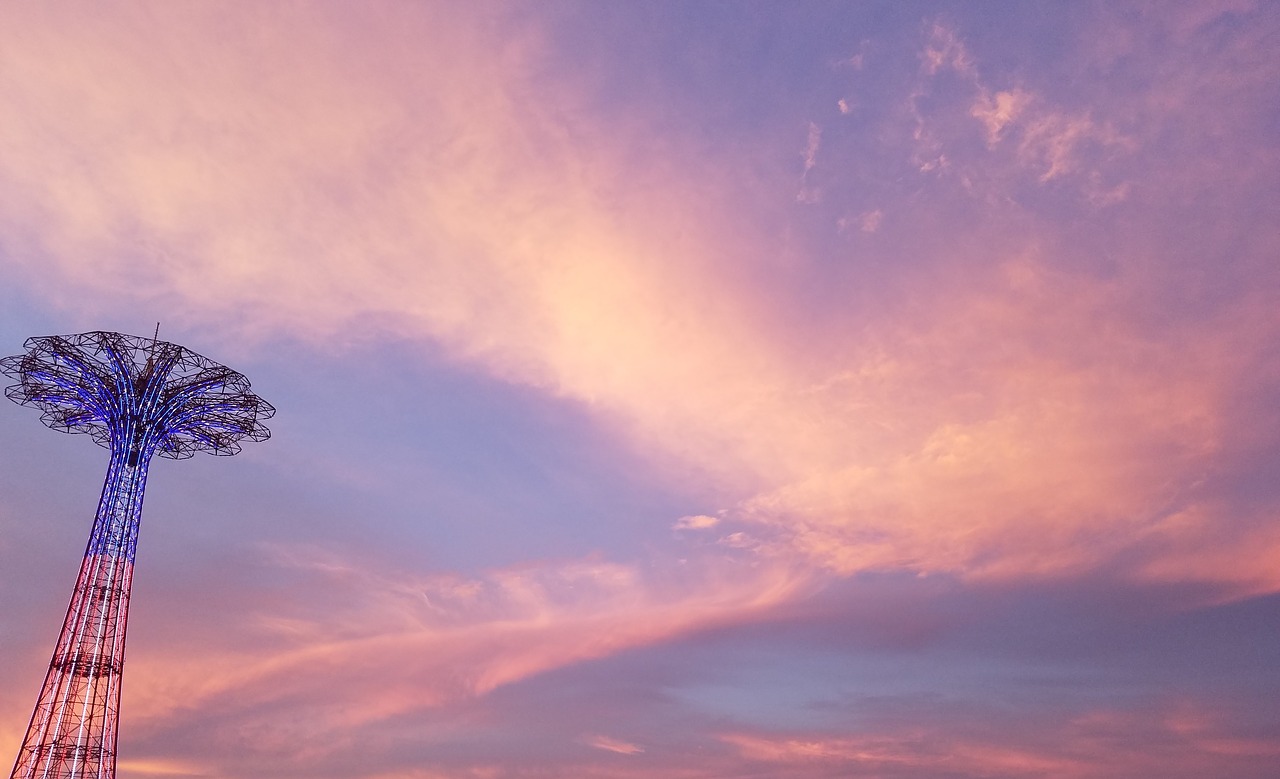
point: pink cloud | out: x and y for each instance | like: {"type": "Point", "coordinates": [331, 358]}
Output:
{"type": "Point", "coordinates": [614, 745]}
{"type": "Point", "coordinates": [968, 430]}
{"type": "Point", "coordinates": [997, 111]}
{"type": "Point", "coordinates": [944, 50]}
{"type": "Point", "coordinates": [1096, 744]}
{"type": "Point", "coordinates": [696, 522]}
{"type": "Point", "coordinates": [391, 644]}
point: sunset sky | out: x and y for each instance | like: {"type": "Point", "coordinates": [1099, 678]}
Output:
{"type": "Point", "coordinates": [667, 390]}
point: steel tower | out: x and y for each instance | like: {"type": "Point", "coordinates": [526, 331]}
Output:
{"type": "Point", "coordinates": [138, 397]}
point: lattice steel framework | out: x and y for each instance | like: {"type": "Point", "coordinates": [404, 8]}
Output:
{"type": "Point", "coordinates": [138, 397]}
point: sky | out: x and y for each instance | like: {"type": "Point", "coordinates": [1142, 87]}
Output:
{"type": "Point", "coordinates": [679, 390]}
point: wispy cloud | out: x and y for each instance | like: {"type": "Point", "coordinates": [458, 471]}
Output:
{"type": "Point", "coordinates": [1024, 129]}
{"type": "Point", "coordinates": [614, 745]}
{"type": "Point", "coordinates": [808, 193]}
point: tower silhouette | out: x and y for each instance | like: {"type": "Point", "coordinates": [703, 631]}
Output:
{"type": "Point", "coordinates": [138, 397]}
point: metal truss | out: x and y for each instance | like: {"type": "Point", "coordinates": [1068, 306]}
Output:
{"type": "Point", "coordinates": [138, 397]}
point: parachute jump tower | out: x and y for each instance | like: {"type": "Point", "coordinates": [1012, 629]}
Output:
{"type": "Point", "coordinates": [138, 397]}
